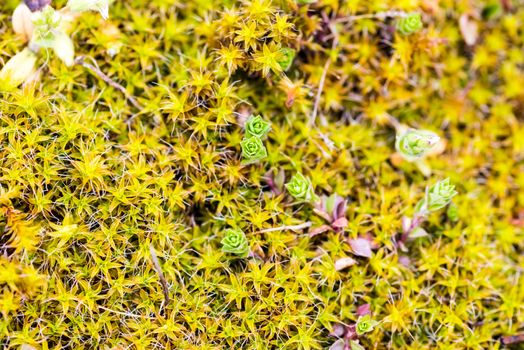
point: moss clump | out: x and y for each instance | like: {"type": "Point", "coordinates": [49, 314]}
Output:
{"type": "Point", "coordinates": [91, 184]}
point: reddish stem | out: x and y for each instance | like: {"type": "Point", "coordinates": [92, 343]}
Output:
{"type": "Point", "coordinates": [418, 219]}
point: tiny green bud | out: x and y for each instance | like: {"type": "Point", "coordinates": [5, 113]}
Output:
{"type": "Point", "coordinates": [288, 55]}
{"type": "Point", "coordinates": [410, 24]}
{"type": "Point", "coordinates": [365, 324]}
{"type": "Point", "coordinates": [491, 10]}
{"type": "Point", "coordinates": [437, 196]}
{"type": "Point", "coordinates": [415, 144]}
{"type": "Point", "coordinates": [300, 187]}
{"type": "Point", "coordinates": [452, 212]}
{"type": "Point", "coordinates": [18, 69]}
{"type": "Point", "coordinates": [101, 6]}
{"type": "Point", "coordinates": [253, 149]}
{"type": "Point", "coordinates": [256, 126]}
{"type": "Point", "coordinates": [235, 242]}
{"type": "Point", "coordinates": [46, 26]}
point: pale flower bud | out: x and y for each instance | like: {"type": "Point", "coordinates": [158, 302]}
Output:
{"type": "Point", "coordinates": [18, 69]}
{"type": "Point", "coordinates": [22, 24]}
{"type": "Point", "coordinates": [101, 6]}
{"type": "Point", "coordinates": [64, 48]}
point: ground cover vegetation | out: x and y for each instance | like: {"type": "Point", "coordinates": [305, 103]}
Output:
{"type": "Point", "coordinates": [261, 174]}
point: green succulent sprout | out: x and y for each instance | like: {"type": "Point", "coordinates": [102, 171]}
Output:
{"type": "Point", "coordinates": [365, 324]}
{"type": "Point", "coordinates": [49, 34]}
{"type": "Point", "coordinates": [235, 242]}
{"type": "Point", "coordinates": [258, 127]}
{"type": "Point", "coordinates": [437, 197]}
{"type": "Point", "coordinates": [253, 149]}
{"type": "Point", "coordinates": [46, 26]}
{"type": "Point", "coordinates": [410, 24]}
{"type": "Point", "coordinates": [288, 55]}
{"type": "Point", "coordinates": [300, 188]}
{"type": "Point", "coordinates": [101, 6]}
{"type": "Point", "coordinates": [415, 144]}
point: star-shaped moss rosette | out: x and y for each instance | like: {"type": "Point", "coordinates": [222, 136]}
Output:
{"type": "Point", "coordinates": [235, 242]}
{"type": "Point", "coordinates": [301, 188]}
{"type": "Point", "coordinates": [258, 127]}
{"type": "Point", "coordinates": [410, 24]}
{"type": "Point", "coordinates": [253, 150]}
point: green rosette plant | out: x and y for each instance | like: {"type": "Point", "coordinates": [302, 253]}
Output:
{"type": "Point", "coordinates": [300, 188]}
{"type": "Point", "coordinates": [253, 149]}
{"type": "Point", "coordinates": [415, 144]}
{"type": "Point", "coordinates": [410, 24]}
{"type": "Point", "coordinates": [257, 127]}
{"type": "Point", "coordinates": [235, 242]}
{"type": "Point", "coordinates": [365, 324]}
{"type": "Point", "coordinates": [437, 197]}
{"type": "Point", "coordinates": [49, 33]}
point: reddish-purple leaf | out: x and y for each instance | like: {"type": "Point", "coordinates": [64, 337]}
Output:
{"type": "Point", "coordinates": [322, 214]}
{"type": "Point", "coordinates": [340, 209]}
{"type": "Point", "coordinates": [338, 330]}
{"type": "Point", "coordinates": [363, 310]}
{"type": "Point", "coordinates": [340, 223]}
{"type": "Point", "coordinates": [404, 260]}
{"type": "Point", "coordinates": [342, 263]}
{"type": "Point", "coordinates": [361, 247]}
{"type": "Point", "coordinates": [318, 230]}
{"type": "Point", "coordinates": [340, 344]}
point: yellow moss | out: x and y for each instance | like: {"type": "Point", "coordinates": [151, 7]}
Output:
{"type": "Point", "coordinates": [91, 182]}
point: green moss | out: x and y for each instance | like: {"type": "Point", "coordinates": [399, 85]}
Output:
{"type": "Point", "coordinates": [92, 182]}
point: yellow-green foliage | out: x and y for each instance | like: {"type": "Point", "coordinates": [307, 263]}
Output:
{"type": "Point", "coordinates": [89, 182]}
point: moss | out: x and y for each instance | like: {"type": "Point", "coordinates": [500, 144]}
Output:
{"type": "Point", "coordinates": [91, 183]}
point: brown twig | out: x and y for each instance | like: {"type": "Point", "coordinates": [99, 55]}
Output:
{"type": "Point", "coordinates": [287, 228]}
{"type": "Point", "coordinates": [80, 60]}
{"type": "Point", "coordinates": [158, 269]}
{"type": "Point", "coordinates": [323, 77]}
{"type": "Point", "coordinates": [513, 339]}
